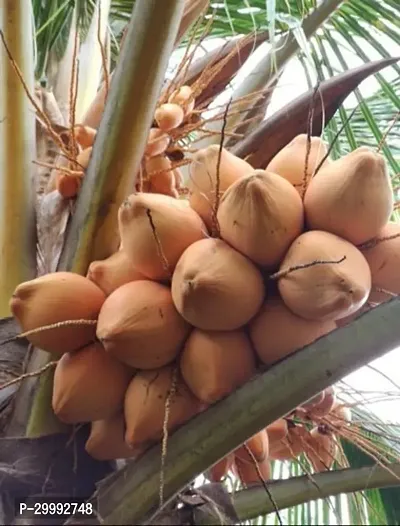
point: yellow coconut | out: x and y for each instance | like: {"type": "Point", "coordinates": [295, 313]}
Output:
{"type": "Point", "coordinates": [276, 332]}
{"type": "Point", "coordinates": [324, 277]}
{"type": "Point", "coordinates": [109, 274]}
{"type": "Point", "coordinates": [214, 287]}
{"type": "Point", "coordinates": [321, 450]}
{"type": "Point", "coordinates": [260, 216]}
{"type": "Point", "coordinates": [215, 363]}
{"type": "Point", "coordinates": [139, 325]}
{"type": "Point", "coordinates": [290, 162]}
{"type": "Point", "coordinates": [169, 116]}
{"type": "Point", "coordinates": [351, 197]}
{"type": "Point", "coordinates": [145, 405]}
{"type": "Point", "coordinates": [107, 440]}
{"type": "Point", "coordinates": [219, 470]}
{"type": "Point", "coordinates": [155, 230]}
{"type": "Point", "coordinates": [89, 385]}
{"type": "Point", "coordinates": [54, 298]}
{"type": "Point", "coordinates": [203, 179]}
{"type": "Point", "coordinates": [383, 256]}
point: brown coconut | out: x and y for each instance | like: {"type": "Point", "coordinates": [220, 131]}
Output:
{"type": "Point", "coordinates": [113, 272]}
{"type": "Point", "coordinates": [276, 332]}
{"type": "Point", "coordinates": [383, 256]}
{"type": "Point", "coordinates": [260, 216]}
{"type": "Point", "coordinates": [89, 385]}
{"type": "Point", "coordinates": [215, 363]}
{"type": "Point", "coordinates": [145, 405]}
{"type": "Point", "coordinates": [290, 162]}
{"type": "Point", "coordinates": [203, 179]}
{"type": "Point", "coordinates": [214, 287]}
{"type": "Point", "coordinates": [107, 440]}
{"type": "Point", "coordinates": [328, 290]}
{"type": "Point", "coordinates": [155, 230]}
{"type": "Point", "coordinates": [55, 298]}
{"type": "Point", "coordinates": [140, 326]}
{"type": "Point", "coordinates": [351, 197]}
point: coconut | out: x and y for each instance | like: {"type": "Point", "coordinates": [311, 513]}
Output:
{"type": "Point", "coordinates": [291, 446]}
{"type": "Point", "coordinates": [214, 287]}
{"type": "Point", "coordinates": [184, 97]}
{"type": "Point", "coordinates": [139, 325]}
{"type": "Point", "coordinates": [155, 230]}
{"type": "Point", "coordinates": [258, 445]}
{"type": "Point", "coordinates": [276, 332]}
{"type": "Point", "coordinates": [249, 472]}
{"type": "Point", "coordinates": [290, 162]}
{"type": "Point", "coordinates": [383, 256]}
{"type": "Point", "coordinates": [161, 176]}
{"type": "Point", "coordinates": [145, 405]}
{"type": "Point", "coordinates": [339, 416]}
{"type": "Point", "coordinates": [349, 319]}
{"type": "Point", "coordinates": [219, 470]}
{"type": "Point", "coordinates": [215, 363]}
{"type": "Point", "coordinates": [260, 216]}
{"type": "Point", "coordinates": [55, 298]}
{"type": "Point", "coordinates": [113, 272]}
{"type": "Point", "coordinates": [321, 449]}
{"type": "Point", "coordinates": [169, 116]}
{"type": "Point", "coordinates": [277, 431]}
{"type": "Point", "coordinates": [312, 402]}
{"type": "Point", "coordinates": [84, 157]}
{"type": "Point", "coordinates": [84, 135]}
{"type": "Point", "coordinates": [317, 283]}
{"type": "Point", "coordinates": [324, 406]}
{"type": "Point", "coordinates": [157, 142]}
{"type": "Point", "coordinates": [351, 197]}
{"type": "Point", "coordinates": [203, 178]}
{"type": "Point", "coordinates": [68, 185]}
{"type": "Point", "coordinates": [89, 385]}
{"type": "Point", "coordinates": [107, 440]}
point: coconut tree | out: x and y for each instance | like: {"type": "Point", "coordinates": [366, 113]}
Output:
{"type": "Point", "coordinates": [104, 64]}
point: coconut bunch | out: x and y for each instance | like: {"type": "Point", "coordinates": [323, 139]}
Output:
{"type": "Point", "coordinates": [247, 270]}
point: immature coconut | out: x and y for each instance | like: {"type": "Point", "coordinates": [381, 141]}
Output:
{"type": "Point", "coordinates": [215, 363]}
{"type": "Point", "coordinates": [161, 176]}
{"type": "Point", "coordinates": [276, 332]}
{"type": "Point", "coordinates": [322, 449]}
{"type": "Point", "coordinates": [207, 167]}
{"type": "Point", "coordinates": [184, 97]}
{"type": "Point", "coordinates": [214, 287]}
{"type": "Point", "coordinates": [89, 385]}
{"type": "Point", "coordinates": [157, 142]}
{"type": "Point", "coordinates": [155, 230]}
{"type": "Point", "coordinates": [109, 274]}
{"type": "Point", "coordinates": [248, 473]}
{"type": "Point", "coordinates": [55, 298]}
{"type": "Point", "coordinates": [324, 406]}
{"type": "Point", "coordinates": [145, 405]}
{"type": "Point", "coordinates": [324, 277]}
{"type": "Point", "coordinates": [218, 471]}
{"type": "Point", "coordinates": [290, 161]}
{"type": "Point", "coordinates": [351, 197]}
{"type": "Point", "coordinates": [383, 256]}
{"type": "Point", "coordinates": [260, 216]}
{"type": "Point", "coordinates": [169, 116]}
{"type": "Point", "coordinates": [107, 440]}
{"type": "Point", "coordinates": [277, 431]}
{"type": "Point", "coordinates": [140, 326]}
{"type": "Point", "coordinates": [291, 446]}
{"type": "Point", "coordinates": [257, 446]}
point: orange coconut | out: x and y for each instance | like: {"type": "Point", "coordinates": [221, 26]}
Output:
{"type": "Point", "coordinates": [169, 116]}
{"type": "Point", "coordinates": [321, 450]}
{"type": "Point", "coordinates": [219, 470]}
{"type": "Point", "coordinates": [157, 142]}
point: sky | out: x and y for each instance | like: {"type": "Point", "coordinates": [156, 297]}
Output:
{"type": "Point", "coordinates": [374, 383]}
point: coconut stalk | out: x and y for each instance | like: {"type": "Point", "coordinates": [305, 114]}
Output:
{"type": "Point", "coordinates": [17, 151]}
{"type": "Point", "coordinates": [197, 445]}
{"type": "Point", "coordinates": [118, 150]}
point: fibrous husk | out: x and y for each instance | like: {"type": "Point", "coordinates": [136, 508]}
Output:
{"type": "Point", "coordinates": [139, 325]}
{"type": "Point", "coordinates": [276, 332]}
{"type": "Point", "coordinates": [328, 287]}
{"type": "Point", "coordinates": [260, 216]}
{"type": "Point", "coordinates": [89, 385]}
{"type": "Point", "coordinates": [219, 470]}
{"type": "Point", "coordinates": [145, 405]}
{"type": "Point", "coordinates": [321, 449]}
{"type": "Point", "coordinates": [107, 440]}
{"type": "Point", "coordinates": [383, 258]}
{"type": "Point", "coordinates": [54, 298]}
{"type": "Point", "coordinates": [203, 179]}
{"type": "Point", "coordinates": [351, 197]}
{"type": "Point", "coordinates": [214, 287]}
{"type": "Point", "coordinates": [215, 363]}
{"type": "Point", "coordinates": [290, 162]}
{"type": "Point", "coordinates": [155, 230]}
{"type": "Point", "coordinates": [113, 272]}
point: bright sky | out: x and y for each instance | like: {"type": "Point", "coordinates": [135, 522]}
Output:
{"type": "Point", "coordinates": [292, 83]}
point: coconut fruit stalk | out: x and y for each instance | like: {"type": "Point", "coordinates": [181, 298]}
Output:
{"type": "Point", "coordinates": [324, 277]}
{"type": "Point", "coordinates": [260, 216]}
{"type": "Point", "coordinates": [215, 363]}
{"type": "Point", "coordinates": [140, 326]}
{"type": "Point", "coordinates": [214, 287]}
{"type": "Point", "coordinates": [155, 230]}
{"type": "Point", "coordinates": [351, 197]}
{"type": "Point", "coordinates": [55, 298]}
{"type": "Point", "coordinates": [89, 385]}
